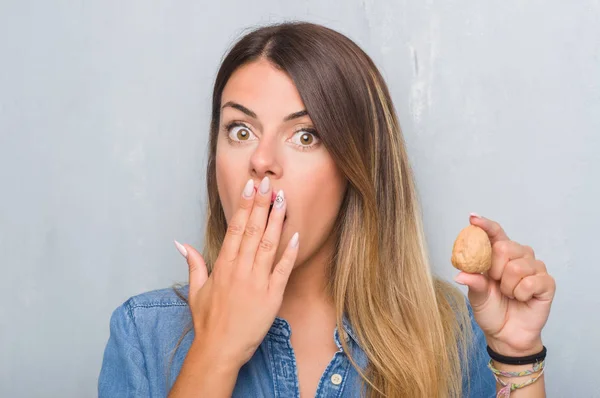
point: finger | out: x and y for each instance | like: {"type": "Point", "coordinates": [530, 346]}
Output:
{"type": "Point", "coordinates": [479, 287]}
{"type": "Point", "coordinates": [255, 227]}
{"type": "Point", "coordinates": [283, 269]}
{"type": "Point", "coordinates": [513, 273]}
{"type": "Point", "coordinates": [503, 252]}
{"type": "Point", "coordinates": [492, 228]}
{"type": "Point", "coordinates": [198, 272]}
{"type": "Point", "coordinates": [541, 286]}
{"type": "Point", "coordinates": [237, 224]}
{"type": "Point", "coordinates": [269, 243]}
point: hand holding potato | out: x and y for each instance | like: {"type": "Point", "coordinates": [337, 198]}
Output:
{"type": "Point", "coordinates": [511, 300]}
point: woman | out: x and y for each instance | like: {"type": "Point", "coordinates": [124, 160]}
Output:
{"type": "Point", "coordinates": [314, 227]}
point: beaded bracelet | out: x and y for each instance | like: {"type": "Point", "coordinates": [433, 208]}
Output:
{"type": "Point", "coordinates": [508, 387]}
{"type": "Point", "coordinates": [538, 366]}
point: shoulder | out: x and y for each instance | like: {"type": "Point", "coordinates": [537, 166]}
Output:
{"type": "Point", "coordinates": [152, 321]}
{"type": "Point", "coordinates": [481, 382]}
{"type": "Point", "coordinates": [144, 334]}
{"type": "Point", "coordinates": [166, 297]}
{"type": "Point", "coordinates": [154, 311]}
{"type": "Point", "coordinates": [478, 381]}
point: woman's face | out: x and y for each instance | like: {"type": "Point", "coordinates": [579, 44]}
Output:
{"type": "Point", "coordinates": [265, 131]}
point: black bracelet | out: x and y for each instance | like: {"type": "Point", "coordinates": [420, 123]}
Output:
{"type": "Point", "coordinates": [540, 356]}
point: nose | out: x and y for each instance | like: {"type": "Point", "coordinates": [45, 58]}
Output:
{"type": "Point", "coordinates": [265, 159]}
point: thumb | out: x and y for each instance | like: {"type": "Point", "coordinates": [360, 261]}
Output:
{"type": "Point", "coordinates": [197, 267]}
{"type": "Point", "coordinates": [479, 286]}
{"type": "Point", "coordinates": [494, 231]}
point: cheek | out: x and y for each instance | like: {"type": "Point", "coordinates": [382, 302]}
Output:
{"type": "Point", "coordinates": [228, 182]}
{"type": "Point", "coordinates": [322, 193]}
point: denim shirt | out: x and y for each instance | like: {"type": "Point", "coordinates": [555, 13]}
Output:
{"type": "Point", "coordinates": [140, 361]}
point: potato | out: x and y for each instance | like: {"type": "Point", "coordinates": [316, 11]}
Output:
{"type": "Point", "coordinates": [472, 251]}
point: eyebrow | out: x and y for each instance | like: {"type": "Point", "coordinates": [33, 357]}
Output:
{"type": "Point", "coordinates": [295, 115]}
{"type": "Point", "coordinates": [248, 112]}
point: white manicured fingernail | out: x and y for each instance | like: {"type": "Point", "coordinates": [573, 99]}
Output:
{"type": "Point", "coordinates": [475, 215]}
{"type": "Point", "coordinates": [264, 185]}
{"type": "Point", "coordinates": [279, 199]}
{"type": "Point", "coordinates": [181, 249]}
{"type": "Point", "coordinates": [294, 241]}
{"type": "Point", "coordinates": [249, 188]}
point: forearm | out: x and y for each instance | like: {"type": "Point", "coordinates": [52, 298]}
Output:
{"type": "Point", "coordinates": [204, 375]}
{"type": "Point", "coordinates": [535, 390]}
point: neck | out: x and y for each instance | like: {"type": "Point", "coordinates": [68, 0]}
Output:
{"type": "Point", "coordinates": [306, 299]}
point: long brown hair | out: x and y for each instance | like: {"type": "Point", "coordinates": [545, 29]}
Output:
{"type": "Point", "coordinates": [413, 327]}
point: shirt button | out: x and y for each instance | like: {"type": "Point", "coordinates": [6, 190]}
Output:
{"type": "Point", "coordinates": [336, 379]}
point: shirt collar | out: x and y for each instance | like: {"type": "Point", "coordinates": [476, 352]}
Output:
{"type": "Point", "coordinates": [281, 328]}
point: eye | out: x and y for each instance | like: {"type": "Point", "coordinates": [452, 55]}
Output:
{"type": "Point", "coordinates": [239, 132]}
{"type": "Point", "coordinates": [305, 138]}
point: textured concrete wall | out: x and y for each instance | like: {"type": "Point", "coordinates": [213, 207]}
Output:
{"type": "Point", "coordinates": [103, 129]}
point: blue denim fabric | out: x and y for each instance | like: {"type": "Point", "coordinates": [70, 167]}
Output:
{"type": "Point", "coordinates": [144, 332]}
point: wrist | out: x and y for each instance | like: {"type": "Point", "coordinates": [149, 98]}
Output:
{"type": "Point", "coordinates": [205, 373]}
{"type": "Point", "coordinates": [209, 356]}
